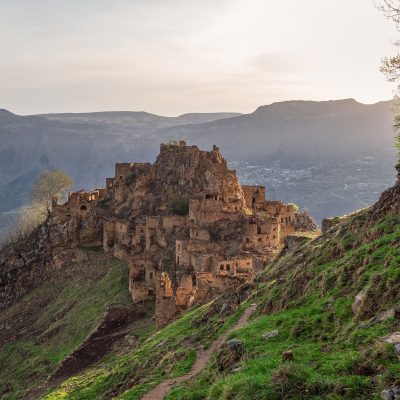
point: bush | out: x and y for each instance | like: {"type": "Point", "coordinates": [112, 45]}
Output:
{"type": "Point", "coordinates": [180, 206]}
{"type": "Point", "coordinates": [290, 379]}
{"type": "Point", "coordinates": [131, 177]}
{"type": "Point", "coordinates": [295, 206]}
{"type": "Point", "coordinates": [298, 382]}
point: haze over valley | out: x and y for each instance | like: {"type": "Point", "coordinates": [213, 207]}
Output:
{"type": "Point", "coordinates": [331, 157]}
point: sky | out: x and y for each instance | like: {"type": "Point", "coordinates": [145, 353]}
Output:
{"type": "Point", "coordinates": [176, 56]}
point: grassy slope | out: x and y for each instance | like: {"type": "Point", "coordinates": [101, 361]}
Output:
{"type": "Point", "coordinates": [167, 353]}
{"type": "Point", "coordinates": [60, 313]}
{"type": "Point", "coordinates": [307, 296]}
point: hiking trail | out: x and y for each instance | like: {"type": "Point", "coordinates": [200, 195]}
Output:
{"type": "Point", "coordinates": [202, 359]}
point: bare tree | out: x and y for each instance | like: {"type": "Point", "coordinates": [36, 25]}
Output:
{"type": "Point", "coordinates": [50, 186]}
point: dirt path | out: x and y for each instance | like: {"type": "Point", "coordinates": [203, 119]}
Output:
{"type": "Point", "coordinates": [202, 359]}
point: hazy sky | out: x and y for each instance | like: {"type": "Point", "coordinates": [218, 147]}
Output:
{"type": "Point", "coordinates": [176, 56]}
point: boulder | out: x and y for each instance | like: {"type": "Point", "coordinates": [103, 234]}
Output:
{"type": "Point", "coordinates": [234, 344]}
{"type": "Point", "coordinates": [383, 316]}
{"type": "Point", "coordinates": [230, 355]}
{"type": "Point", "coordinates": [393, 338]}
{"type": "Point", "coordinates": [391, 394]}
{"type": "Point", "coordinates": [397, 349]}
{"type": "Point", "coordinates": [357, 302]}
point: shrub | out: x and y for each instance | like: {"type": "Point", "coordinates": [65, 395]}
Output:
{"type": "Point", "coordinates": [130, 178]}
{"type": "Point", "coordinates": [180, 206]}
{"type": "Point", "coordinates": [295, 206]}
{"type": "Point", "coordinates": [296, 382]}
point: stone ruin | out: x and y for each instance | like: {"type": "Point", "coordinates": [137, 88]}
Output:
{"type": "Point", "coordinates": [185, 226]}
{"type": "Point", "coordinates": [78, 204]}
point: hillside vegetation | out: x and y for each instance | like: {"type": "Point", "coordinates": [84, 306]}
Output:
{"type": "Point", "coordinates": [335, 349]}
{"type": "Point", "coordinates": [45, 326]}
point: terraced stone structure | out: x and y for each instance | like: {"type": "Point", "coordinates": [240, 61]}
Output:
{"type": "Point", "coordinates": [186, 227]}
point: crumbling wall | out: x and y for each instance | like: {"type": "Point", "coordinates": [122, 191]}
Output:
{"type": "Point", "coordinates": [304, 222]}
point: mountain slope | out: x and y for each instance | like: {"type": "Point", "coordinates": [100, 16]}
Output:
{"type": "Point", "coordinates": [85, 294]}
{"type": "Point", "coordinates": [304, 129]}
{"type": "Point", "coordinates": [325, 326]}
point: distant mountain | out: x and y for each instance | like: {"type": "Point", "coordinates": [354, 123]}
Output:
{"type": "Point", "coordinates": [309, 129]}
{"type": "Point", "coordinates": [85, 145]}
{"type": "Point", "coordinates": [137, 121]}
{"type": "Point", "coordinates": [331, 157]}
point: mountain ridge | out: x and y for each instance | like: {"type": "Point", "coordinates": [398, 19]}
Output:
{"type": "Point", "coordinates": [87, 148]}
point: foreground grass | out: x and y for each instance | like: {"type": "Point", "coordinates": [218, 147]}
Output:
{"type": "Point", "coordinates": [166, 354]}
{"type": "Point", "coordinates": [307, 298]}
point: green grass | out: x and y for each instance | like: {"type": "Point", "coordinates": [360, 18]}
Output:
{"type": "Point", "coordinates": [163, 355]}
{"type": "Point", "coordinates": [306, 295]}
{"type": "Point", "coordinates": [74, 302]}
{"type": "Point", "coordinates": [336, 356]}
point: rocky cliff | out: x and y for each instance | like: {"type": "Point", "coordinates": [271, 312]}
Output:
{"type": "Point", "coordinates": [180, 172]}
{"type": "Point", "coordinates": [26, 263]}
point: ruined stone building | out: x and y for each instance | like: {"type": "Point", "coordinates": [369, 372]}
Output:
{"type": "Point", "coordinates": [186, 227]}
{"type": "Point", "coordinates": [78, 203]}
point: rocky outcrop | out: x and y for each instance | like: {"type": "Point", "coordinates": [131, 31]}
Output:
{"type": "Point", "coordinates": [22, 265]}
{"type": "Point", "coordinates": [388, 203]}
{"type": "Point", "coordinates": [25, 264]}
{"type": "Point", "coordinates": [180, 172]}
{"type": "Point", "coordinates": [305, 222]}
{"type": "Point", "coordinates": [328, 223]}
{"type": "Point", "coordinates": [291, 242]}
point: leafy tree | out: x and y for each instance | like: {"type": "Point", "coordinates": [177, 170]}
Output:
{"type": "Point", "coordinates": [391, 65]}
{"type": "Point", "coordinates": [50, 186]}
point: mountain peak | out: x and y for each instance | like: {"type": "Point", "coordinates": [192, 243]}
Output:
{"type": "Point", "coordinates": [5, 112]}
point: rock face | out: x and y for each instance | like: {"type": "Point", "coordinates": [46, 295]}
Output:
{"type": "Point", "coordinates": [180, 172]}
{"type": "Point", "coordinates": [328, 223]}
{"type": "Point", "coordinates": [389, 201]}
{"type": "Point", "coordinates": [24, 264]}
{"type": "Point", "coordinates": [186, 227]}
